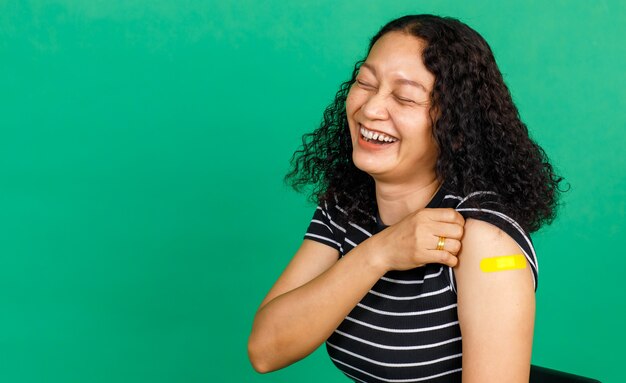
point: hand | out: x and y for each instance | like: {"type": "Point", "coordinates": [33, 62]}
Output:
{"type": "Point", "coordinates": [413, 241]}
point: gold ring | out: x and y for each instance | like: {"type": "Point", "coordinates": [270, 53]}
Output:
{"type": "Point", "coordinates": [441, 243]}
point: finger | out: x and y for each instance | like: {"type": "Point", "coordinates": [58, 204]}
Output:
{"type": "Point", "coordinates": [444, 257]}
{"type": "Point", "coordinates": [448, 215]}
{"type": "Point", "coordinates": [448, 230]}
{"type": "Point", "coordinates": [451, 245]}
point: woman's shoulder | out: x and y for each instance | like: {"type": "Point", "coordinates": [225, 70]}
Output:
{"type": "Point", "coordinates": [485, 205]}
{"type": "Point", "coordinates": [479, 199]}
{"type": "Point", "coordinates": [488, 207]}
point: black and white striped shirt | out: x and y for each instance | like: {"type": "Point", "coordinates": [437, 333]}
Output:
{"type": "Point", "coordinates": [406, 328]}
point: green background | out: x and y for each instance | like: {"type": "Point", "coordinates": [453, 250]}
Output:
{"type": "Point", "coordinates": [142, 149]}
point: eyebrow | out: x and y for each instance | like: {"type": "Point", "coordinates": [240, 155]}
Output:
{"type": "Point", "coordinates": [403, 81]}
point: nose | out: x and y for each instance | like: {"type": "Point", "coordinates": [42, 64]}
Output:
{"type": "Point", "coordinates": [375, 108]}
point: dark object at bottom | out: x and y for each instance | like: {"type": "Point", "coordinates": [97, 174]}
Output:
{"type": "Point", "coordinates": [546, 375]}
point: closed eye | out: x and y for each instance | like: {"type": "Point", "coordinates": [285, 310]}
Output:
{"type": "Point", "coordinates": [410, 102]}
{"type": "Point", "coordinates": [405, 100]}
{"type": "Point", "coordinates": [364, 85]}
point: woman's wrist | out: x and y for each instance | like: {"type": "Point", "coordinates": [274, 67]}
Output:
{"type": "Point", "coordinates": [373, 255]}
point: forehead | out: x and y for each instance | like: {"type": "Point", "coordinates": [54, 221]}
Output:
{"type": "Point", "coordinates": [400, 40]}
{"type": "Point", "coordinates": [399, 54]}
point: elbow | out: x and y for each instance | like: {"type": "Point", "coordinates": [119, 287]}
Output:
{"type": "Point", "coordinates": [258, 364]}
{"type": "Point", "coordinates": [259, 357]}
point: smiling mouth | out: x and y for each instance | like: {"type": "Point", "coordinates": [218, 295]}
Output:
{"type": "Point", "coordinates": [376, 137]}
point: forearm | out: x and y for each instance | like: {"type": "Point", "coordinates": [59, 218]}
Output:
{"type": "Point", "coordinates": [294, 324]}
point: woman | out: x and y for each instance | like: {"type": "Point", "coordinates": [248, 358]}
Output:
{"type": "Point", "coordinates": [423, 173]}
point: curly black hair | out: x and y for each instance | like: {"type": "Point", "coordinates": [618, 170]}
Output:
{"type": "Point", "coordinates": [483, 144]}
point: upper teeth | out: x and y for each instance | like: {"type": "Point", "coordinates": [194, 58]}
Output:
{"type": "Point", "coordinates": [377, 136]}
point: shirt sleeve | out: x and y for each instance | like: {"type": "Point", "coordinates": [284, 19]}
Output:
{"type": "Point", "coordinates": [485, 206]}
{"type": "Point", "coordinates": [322, 229]}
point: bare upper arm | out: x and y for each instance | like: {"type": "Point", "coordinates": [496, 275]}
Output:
{"type": "Point", "coordinates": [496, 310]}
{"type": "Point", "coordinates": [311, 260]}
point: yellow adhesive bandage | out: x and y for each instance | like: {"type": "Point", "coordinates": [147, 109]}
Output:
{"type": "Point", "coordinates": [504, 262]}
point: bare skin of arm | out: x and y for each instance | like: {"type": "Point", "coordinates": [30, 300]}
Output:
{"type": "Point", "coordinates": [496, 310]}
{"type": "Point", "coordinates": [316, 291]}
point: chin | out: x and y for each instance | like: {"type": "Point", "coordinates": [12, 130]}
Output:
{"type": "Point", "coordinates": [368, 166]}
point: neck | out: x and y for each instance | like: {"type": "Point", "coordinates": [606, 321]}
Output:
{"type": "Point", "coordinates": [396, 201]}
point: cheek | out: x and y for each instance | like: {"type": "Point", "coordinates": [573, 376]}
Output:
{"type": "Point", "coordinates": [418, 123]}
{"type": "Point", "coordinates": [353, 101]}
